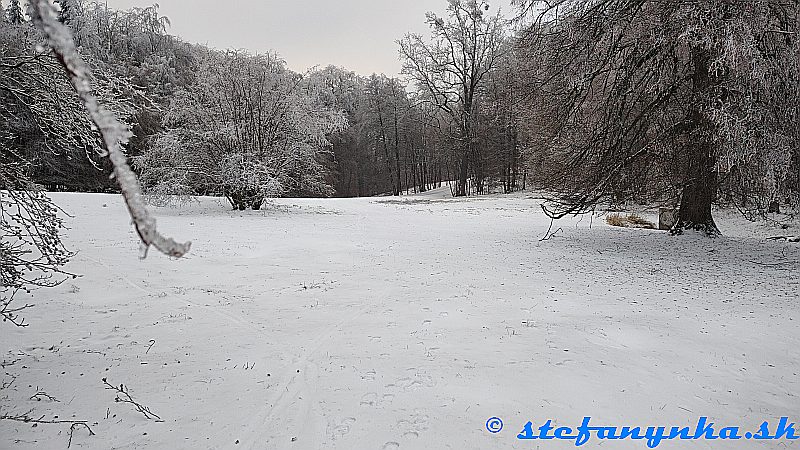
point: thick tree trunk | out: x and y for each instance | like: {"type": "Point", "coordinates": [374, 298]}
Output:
{"type": "Point", "coordinates": [397, 167]}
{"type": "Point", "coordinates": [461, 188]}
{"type": "Point", "coordinates": [700, 184]}
{"type": "Point", "coordinates": [397, 150]}
{"type": "Point", "coordinates": [699, 192]}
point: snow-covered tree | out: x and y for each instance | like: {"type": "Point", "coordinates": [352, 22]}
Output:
{"type": "Point", "coordinates": [689, 97]}
{"type": "Point", "coordinates": [66, 10]}
{"type": "Point", "coordinates": [40, 115]}
{"type": "Point", "coordinates": [50, 108]}
{"type": "Point", "coordinates": [255, 130]}
{"type": "Point", "coordinates": [43, 117]}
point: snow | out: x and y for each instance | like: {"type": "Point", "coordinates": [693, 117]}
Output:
{"type": "Point", "coordinates": [384, 323]}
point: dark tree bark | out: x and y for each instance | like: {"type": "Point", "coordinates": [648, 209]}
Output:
{"type": "Point", "coordinates": [700, 185]}
{"type": "Point", "coordinates": [699, 193]}
{"type": "Point", "coordinates": [463, 165]}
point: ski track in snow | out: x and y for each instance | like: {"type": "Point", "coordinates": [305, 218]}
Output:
{"type": "Point", "coordinates": [388, 323]}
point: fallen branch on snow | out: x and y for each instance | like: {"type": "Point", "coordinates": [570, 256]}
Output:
{"type": "Point", "coordinates": [124, 397]}
{"type": "Point", "coordinates": [26, 418]}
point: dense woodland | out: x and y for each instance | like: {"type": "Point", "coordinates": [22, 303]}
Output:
{"type": "Point", "coordinates": [601, 102]}
{"type": "Point", "coordinates": [226, 122]}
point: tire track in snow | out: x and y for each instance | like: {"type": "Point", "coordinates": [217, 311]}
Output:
{"type": "Point", "coordinates": [295, 412]}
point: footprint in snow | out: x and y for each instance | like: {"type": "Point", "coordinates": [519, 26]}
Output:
{"type": "Point", "coordinates": [414, 425]}
{"type": "Point", "coordinates": [342, 428]}
{"type": "Point", "coordinates": [372, 399]}
{"type": "Point", "coordinates": [369, 399]}
{"type": "Point", "coordinates": [369, 376]}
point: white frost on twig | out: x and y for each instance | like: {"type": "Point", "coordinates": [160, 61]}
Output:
{"type": "Point", "coordinates": [113, 132]}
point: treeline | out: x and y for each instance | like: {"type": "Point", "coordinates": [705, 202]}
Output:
{"type": "Point", "coordinates": [683, 104]}
{"type": "Point", "coordinates": [594, 102]}
{"type": "Point", "coordinates": [228, 123]}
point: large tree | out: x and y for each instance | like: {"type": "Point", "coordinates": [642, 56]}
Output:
{"type": "Point", "coordinates": [635, 96]}
{"type": "Point", "coordinates": [452, 69]}
{"type": "Point", "coordinates": [256, 130]}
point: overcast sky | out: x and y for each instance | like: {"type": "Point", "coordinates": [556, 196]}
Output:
{"type": "Point", "coordinates": [359, 35]}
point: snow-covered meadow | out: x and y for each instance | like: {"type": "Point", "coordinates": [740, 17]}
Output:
{"type": "Point", "coordinates": [384, 323]}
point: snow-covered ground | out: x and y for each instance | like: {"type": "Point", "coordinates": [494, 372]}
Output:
{"type": "Point", "coordinates": [385, 323]}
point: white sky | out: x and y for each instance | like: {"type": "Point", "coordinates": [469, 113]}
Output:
{"type": "Point", "coordinates": [359, 35]}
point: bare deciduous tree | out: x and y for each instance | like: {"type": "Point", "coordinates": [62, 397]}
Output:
{"type": "Point", "coordinates": [453, 68]}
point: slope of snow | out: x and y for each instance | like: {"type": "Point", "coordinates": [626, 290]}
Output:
{"type": "Point", "coordinates": [401, 323]}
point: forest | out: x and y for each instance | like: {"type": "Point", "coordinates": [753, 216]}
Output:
{"type": "Point", "coordinates": [593, 101]}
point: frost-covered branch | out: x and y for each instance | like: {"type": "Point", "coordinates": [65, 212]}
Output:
{"type": "Point", "coordinates": [31, 252]}
{"type": "Point", "coordinates": [113, 132]}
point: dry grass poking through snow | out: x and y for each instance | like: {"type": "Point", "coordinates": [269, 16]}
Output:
{"type": "Point", "coordinates": [629, 221]}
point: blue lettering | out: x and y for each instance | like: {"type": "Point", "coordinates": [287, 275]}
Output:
{"type": "Point", "coordinates": [785, 430]}
{"type": "Point", "coordinates": [682, 432]}
{"type": "Point", "coordinates": [607, 433]}
{"type": "Point", "coordinates": [763, 432]}
{"type": "Point", "coordinates": [704, 429]}
{"type": "Point", "coordinates": [564, 433]}
{"type": "Point", "coordinates": [654, 436]}
{"type": "Point", "coordinates": [631, 433]}
{"type": "Point", "coordinates": [731, 433]}
{"type": "Point", "coordinates": [527, 432]}
{"type": "Point", "coordinates": [584, 432]}
{"type": "Point", "coordinates": [544, 429]}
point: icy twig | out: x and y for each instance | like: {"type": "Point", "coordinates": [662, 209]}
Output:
{"type": "Point", "coordinates": [113, 132]}
{"type": "Point", "coordinates": [38, 396]}
{"type": "Point", "coordinates": [124, 397]}
{"type": "Point", "coordinates": [10, 314]}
